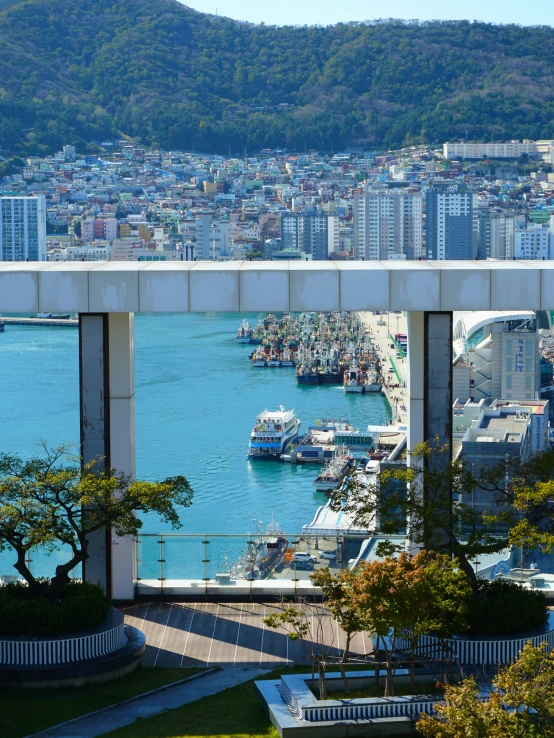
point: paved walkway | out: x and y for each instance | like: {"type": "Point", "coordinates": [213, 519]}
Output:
{"type": "Point", "coordinates": [227, 634]}
{"type": "Point", "coordinates": [168, 699]}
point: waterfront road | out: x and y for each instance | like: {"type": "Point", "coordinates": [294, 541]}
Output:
{"type": "Point", "coordinates": [394, 368]}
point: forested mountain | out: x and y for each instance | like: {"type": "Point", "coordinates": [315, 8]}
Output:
{"type": "Point", "coordinates": [167, 75]}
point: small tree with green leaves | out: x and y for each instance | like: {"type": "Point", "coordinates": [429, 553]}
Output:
{"type": "Point", "coordinates": [338, 591]}
{"type": "Point", "coordinates": [52, 500]}
{"type": "Point", "coordinates": [520, 705]}
{"type": "Point", "coordinates": [434, 498]}
{"type": "Point", "coordinates": [305, 623]}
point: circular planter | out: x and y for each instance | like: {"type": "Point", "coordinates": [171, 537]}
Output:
{"type": "Point", "coordinates": [67, 648]}
{"type": "Point", "coordinates": [484, 650]}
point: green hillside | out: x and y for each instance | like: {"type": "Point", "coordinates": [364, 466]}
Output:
{"type": "Point", "coordinates": [167, 75]}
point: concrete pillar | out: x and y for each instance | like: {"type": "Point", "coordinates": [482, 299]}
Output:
{"type": "Point", "coordinates": [438, 381]}
{"type": "Point", "coordinates": [95, 425]}
{"type": "Point", "coordinates": [429, 385]}
{"type": "Point", "coordinates": [107, 392]}
{"type": "Point", "coordinates": [416, 379]}
{"type": "Point", "coordinates": [429, 377]}
{"type": "Point", "coordinates": [122, 440]}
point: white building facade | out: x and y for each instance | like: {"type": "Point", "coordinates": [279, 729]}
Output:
{"type": "Point", "coordinates": [22, 228]}
{"type": "Point", "coordinates": [213, 238]}
{"type": "Point", "coordinates": [532, 242]}
{"type": "Point", "coordinates": [498, 150]}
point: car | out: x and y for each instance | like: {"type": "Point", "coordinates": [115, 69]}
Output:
{"type": "Point", "coordinates": [398, 355]}
{"type": "Point", "coordinates": [331, 555]}
{"type": "Point", "coordinates": [303, 556]}
{"type": "Point", "coordinates": [302, 565]}
{"type": "Point", "coordinates": [381, 322]}
{"type": "Point", "coordinates": [391, 371]}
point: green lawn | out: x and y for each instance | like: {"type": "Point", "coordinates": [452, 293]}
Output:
{"type": "Point", "coordinates": [233, 713]}
{"type": "Point", "coordinates": [27, 711]}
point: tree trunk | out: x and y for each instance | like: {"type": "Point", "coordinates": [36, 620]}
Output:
{"type": "Point", "coordinates": [377, 669]}
{"type": "Point", "coordinates": [61, 579]}
{"type": "Point", "coordinates": [389, 652]}
{"type": "Point", "coordinates": [20, 565]}
{"type": "Point", "coordinates": [389, 691]}
{"type": "Point", "coordinates": [412, 664]}
{"type": "Point", "coordinates": [342, 664]}
{"type": "Point", "coordinates": [322, 680]}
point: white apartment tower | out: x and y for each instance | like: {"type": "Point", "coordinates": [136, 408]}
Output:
{"type": "Point", "coordinates": [496, 235]}
{"type": "Point", "coordinates": [213, 238]}
{"type": "Point", "coordinates": [388, 225]}
{"type": "Point", "coordinates": [22, 228]}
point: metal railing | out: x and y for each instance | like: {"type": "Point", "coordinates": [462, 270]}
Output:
{"type": "Point", "coordinates": [272, 559]}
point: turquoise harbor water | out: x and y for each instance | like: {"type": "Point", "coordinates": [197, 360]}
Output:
{"type": "Point", "coordinates": [196, 401]}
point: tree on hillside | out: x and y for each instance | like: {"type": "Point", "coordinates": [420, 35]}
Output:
{"type": "Point", "coordinates": [434, 498]}
{"type": "Point", "coordinates": [520, 705]}
{"type": "Point", "coordinates": [50, 500]}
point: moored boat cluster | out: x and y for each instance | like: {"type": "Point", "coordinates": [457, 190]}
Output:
{"type": "Point", "coordinates": [325, 348]}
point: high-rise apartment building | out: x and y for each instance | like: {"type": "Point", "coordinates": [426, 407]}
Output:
{"type": "Point", "coordinates": [532, 242]}
{"type": "Point", "coordinates": [22, 228]}
{"type": "Point", "coordinates": [213, 238]}
{"type": "Point", "coordinates": [306, 232]}
{"type": "Point", "coordinates": [452, 228]}
{"type": "Point", "coordinates": [388, 225]}
{"type": "Point", "coordinates": [495, 235]}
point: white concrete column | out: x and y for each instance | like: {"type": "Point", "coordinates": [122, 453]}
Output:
{"type": "Point", "coordinates": [416, 379]}
{"type": "Point", "coordinates": [122, 439]}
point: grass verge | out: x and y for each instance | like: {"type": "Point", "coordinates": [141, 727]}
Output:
{"type": "Point", "coordinates": [23, 712]}
{"type": "Point", "coordinates": [233, 713]}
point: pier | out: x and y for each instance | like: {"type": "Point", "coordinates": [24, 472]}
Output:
{"type": "Point", "coordinates": [64, 322]}
{"type": "Point", "coordinates": [394, 370]}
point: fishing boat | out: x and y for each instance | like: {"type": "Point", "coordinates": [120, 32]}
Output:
{"type": "Point", "coordinates": [287, 357]}
{"type": "Point", "coordinates": [244, 333]}
{"type": "Point", "coordinates": [273, 360]}
{"type": "Point", "coordinates": [353, 379]}
{"type": "Point", "coordinates": [258, 358]}
{"type": "Point", "coordinates": [372, 383]}
{"type": "Point", "coordinates": [306, 374]}
{"type": "Point", "coordinates": [335, 471]}
{"type": "Point", "coordinates": [272, 433]}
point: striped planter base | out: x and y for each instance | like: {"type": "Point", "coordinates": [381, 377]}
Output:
{"type": "Point", "coordinates": [65, 649]}
{"type": "Point", "coordinates": [483, 650]}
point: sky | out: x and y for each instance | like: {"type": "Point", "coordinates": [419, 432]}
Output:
{"type": "Point", "coordinates": [324, 12]}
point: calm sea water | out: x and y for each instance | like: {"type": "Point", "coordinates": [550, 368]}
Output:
{"type": "Point", "coordinates": [196, 401]}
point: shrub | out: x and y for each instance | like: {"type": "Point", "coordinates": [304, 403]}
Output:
{"type": "Point", "coordinates": [503, 607]}
{"type": "Point", "coordinates": [81, 606]}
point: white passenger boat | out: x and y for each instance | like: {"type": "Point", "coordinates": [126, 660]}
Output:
{"type": "Point", "coordinates": [272, 433]}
